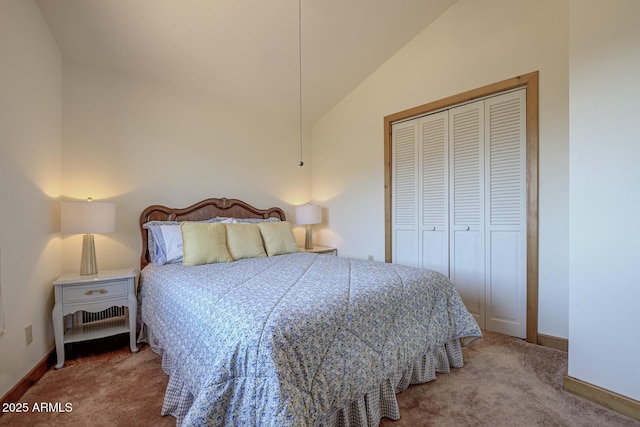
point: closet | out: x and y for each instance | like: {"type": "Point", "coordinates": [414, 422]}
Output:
{"type": "Point", "coordinates": [459, 203]}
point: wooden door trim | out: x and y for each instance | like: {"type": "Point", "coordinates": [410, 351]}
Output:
{"type": "Point", "coordinates": [530, 83]}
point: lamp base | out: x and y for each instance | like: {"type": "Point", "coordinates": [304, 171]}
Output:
{"type": "Point", "coordinates": [88, 264]}
{"type": "Point", "coordinates": [308, 239]}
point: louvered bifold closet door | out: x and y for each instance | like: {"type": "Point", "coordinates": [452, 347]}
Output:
{"type": "Point", "coordinates": [404, 193]}
{"type": "Point", "coordinates": [466, 206]}
{"type": "Point", "coordinates": [434, 189]}
{"type": "Point", "coordinates": [505, 210]}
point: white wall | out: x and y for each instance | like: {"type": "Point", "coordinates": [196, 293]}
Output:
{"type": "Point", "coordinates": [30, 177]}
{"type": "Point", "coordinates": [604, 315]}
{"type": "Point", "coordinates": [139, 143]}
{"type": "Point", "coordinates": [473, 44]}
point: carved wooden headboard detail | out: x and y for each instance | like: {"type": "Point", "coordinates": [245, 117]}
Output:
{"type": "Point", "coordinates": [206, 209]}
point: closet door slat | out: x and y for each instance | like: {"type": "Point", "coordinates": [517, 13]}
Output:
{"type": "Point", "coordinates": [405, 193]}
{"type": "Point", "coordinates": [434, 190]}
{"type": "Point", "coordinates": [466, 210]}
{"type": "Point", "coordinates": [505, 210]}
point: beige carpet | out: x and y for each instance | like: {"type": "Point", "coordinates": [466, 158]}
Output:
{"type": "Point", "coordinates": [505, 382]}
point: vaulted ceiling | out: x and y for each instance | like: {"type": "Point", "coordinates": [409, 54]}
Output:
{"type": "Point", "coordinates": [244, 52]}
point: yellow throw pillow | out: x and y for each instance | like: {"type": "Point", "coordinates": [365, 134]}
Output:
{"type": "Point", "coordinates": [204, 243]}
{"type": "Point", "coordinates": [278, 237]}
{"type": "Point", "coordinates": [244, 241]}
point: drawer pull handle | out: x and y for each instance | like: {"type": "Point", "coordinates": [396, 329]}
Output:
{"type": "Point", "coordinates": [101, 291]}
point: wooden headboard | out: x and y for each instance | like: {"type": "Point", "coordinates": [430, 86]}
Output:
{"type": "Point", "coordinates": [206, 209]}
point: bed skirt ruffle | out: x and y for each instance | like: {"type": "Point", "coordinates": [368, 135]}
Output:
{"type": "Point", "coordinates": [380, 402]}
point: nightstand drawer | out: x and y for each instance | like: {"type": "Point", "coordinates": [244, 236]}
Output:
{"type": "Point", "coordinates": [95, 291]}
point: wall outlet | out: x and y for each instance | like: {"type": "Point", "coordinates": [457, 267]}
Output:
{"type": "Point", "coordinates": [370, 257]}
{"type": "Point", "coordinates": [28, 335]}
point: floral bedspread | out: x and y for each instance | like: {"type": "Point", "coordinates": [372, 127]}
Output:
{"type": "Point", "coordinates": [291, 339]}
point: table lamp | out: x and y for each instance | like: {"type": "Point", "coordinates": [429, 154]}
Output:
{"type": "Point", "coordinates": [88, 218]}
{"type": "Point", "coordinates": [308, 215]}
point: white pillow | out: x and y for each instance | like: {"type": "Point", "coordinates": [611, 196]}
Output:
{"type": "Point", "coordinates": [167, 241]}
{"type": "Point", "coordinates": [172, 243]}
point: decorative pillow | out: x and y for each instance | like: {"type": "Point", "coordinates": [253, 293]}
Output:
{"type": "Point", "coordinates": [204, 243]}
{"type": "Point", "coordinates": [244, 241]}
{"type": "Point", "coordinates": [278, 237]}
{"type": "Point", "coordinates": [167, 240]}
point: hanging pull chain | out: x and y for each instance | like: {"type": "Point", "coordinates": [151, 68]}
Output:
{"type": "Point", "coordinates": [301, 163]}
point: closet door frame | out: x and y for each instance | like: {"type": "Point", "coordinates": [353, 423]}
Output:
{"type": "Point", "coordinates": [530, 83]}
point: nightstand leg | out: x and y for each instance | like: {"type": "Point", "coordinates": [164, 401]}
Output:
{"type": "Point", "coordinates": [133, 317]}
{"type": "Point", "coordinates": [58, 332]}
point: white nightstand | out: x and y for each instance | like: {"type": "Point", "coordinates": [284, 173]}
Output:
{"type": "Point", "coordinates": [321, 250]}
{"type": "Point", "coordinates": [94, 293]}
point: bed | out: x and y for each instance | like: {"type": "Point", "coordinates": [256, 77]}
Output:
{"type": "Point", "coordinates": [294, 339]}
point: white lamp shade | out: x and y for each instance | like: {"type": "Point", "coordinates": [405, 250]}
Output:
{"type": "Point", "coordinates": [88, 217]}
{"type": "Point", "coordinates": [308, 214]}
